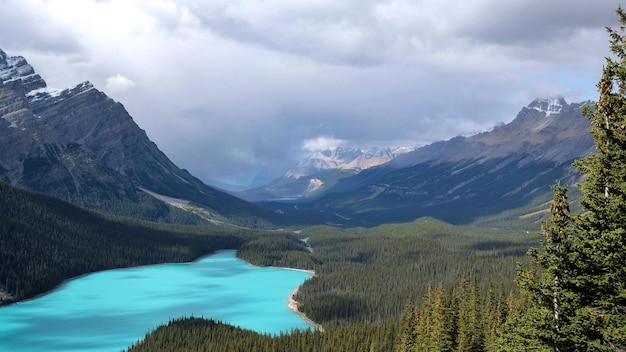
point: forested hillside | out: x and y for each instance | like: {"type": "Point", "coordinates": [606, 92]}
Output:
{"type": "Point", "coordinates": [366, 275]}
{"type": "Point", "coordinates": [44, 241]}
{"type": "Point", "coordinates": [200, 335]}
{"type": "Point", "coordinates": [363, 276]}
{"type": "Point", "coordinates": [573, 293]}
{"type": "Point", "coordinates": [459, 318]}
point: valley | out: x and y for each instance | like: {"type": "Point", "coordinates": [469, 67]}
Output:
{"type": "Point", "coordinates": [362, 275]}
{"type": "Point", "coordinates": [511, 239]}
{"type": "Point", "coordinates": [506, 169]}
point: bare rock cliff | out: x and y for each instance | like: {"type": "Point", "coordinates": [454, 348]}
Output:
{"type": "Point", "coordinates": [80, 145]}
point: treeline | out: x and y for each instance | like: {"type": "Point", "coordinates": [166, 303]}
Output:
{"type": "Point", "coordinates": [363, 276]}
{"type": "Point", "coordinates": [280, 250]}
{"type": "Point", "coordinates": [201, 335]}
{"type": "Point", "coordinates": [464, 318]}
{"type": "Point", "coordinates": [44, 241]}
{"type": "Point", "coordinates": [366, 275]}
{"type": "Point", "coordinates": [461, 318]}
{"type": "Point", "coordinates": [135, 204]}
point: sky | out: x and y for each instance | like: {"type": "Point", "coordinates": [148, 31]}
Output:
{"type": "Point", "coordinates": [238, 91]}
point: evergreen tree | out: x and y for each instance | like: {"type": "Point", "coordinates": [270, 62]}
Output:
{"type": "Point", "coordinates": [408, 329]}
{"type": "Point", "coordinates": [577, 286]}
{"type": "Point", "coordinates": [549, 285]}
{"type": "Point", "coordinates": [471, 328]}
{"type": "Point", "coordinates": [435, 323]}
{"type": "Point", "coordinates": [602, 228]}
{"type": "Point", "coordinates": [495, 316]}
{"type": "Point", "coordinates": [424, 324]}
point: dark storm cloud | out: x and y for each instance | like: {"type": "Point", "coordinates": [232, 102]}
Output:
{"type": "Point", "coordinates": [535, 22]}
{"type": "Point", "coordinates": [339, 32]}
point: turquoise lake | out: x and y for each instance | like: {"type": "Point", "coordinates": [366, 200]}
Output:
{"type": "Point", "coordinates": [110, 310]}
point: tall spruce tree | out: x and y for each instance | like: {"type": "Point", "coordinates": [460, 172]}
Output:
{"type": "Point", "coordinates": [408, 329]}
{"type": "Point", "coordinates": [549, 286]}
{"type": "Point", "coordinates": [576, 286]}
{"type": "Point", "coordinates": [471, 325]}
{"type": "Point", "coordinates": [601, 229]}
{"type": "Point", "coordinates": [434, 322]}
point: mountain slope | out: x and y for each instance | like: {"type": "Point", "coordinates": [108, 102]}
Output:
{"type": "Point", "coordinates": [80, 145]}
{"type": "Point", "coordinates": [320, 171]}
{"type": "Point", "coordinates": [45, 240]}
{"type": "Point", "coordinates": [463, 179]}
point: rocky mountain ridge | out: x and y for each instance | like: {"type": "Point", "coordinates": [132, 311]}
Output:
{"type": "Point", "coordinates": [82, 146]}
{"type": "Point", "coordinates": [345, 158]}
{"type": "Point", "coordinates": [542, 134]}
{"type": "Point", "coordinates": [464, 178]}
{"type": "Point", "coordinates": [321, 170]}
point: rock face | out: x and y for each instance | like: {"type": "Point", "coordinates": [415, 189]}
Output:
{"type": "Point", "coordinates": [541, 135]}
{"type": "Point", "coordinates": [356, 159]}
{"type": "Point", "coordinates": [464, 178]}
{"type": "Point", "coordinates": [80, 145]}
{"type": "Point", "coordinates": [320, 171]}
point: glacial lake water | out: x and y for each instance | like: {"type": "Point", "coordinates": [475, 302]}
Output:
{"type": "Point", "coordinates": [110, 310]}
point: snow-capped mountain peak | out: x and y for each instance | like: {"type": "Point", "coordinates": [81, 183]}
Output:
{"type": "Point", "coordinates": [16, 71]}
{"type": "Point", "coordinates": [345, 158]}
{"type": "Point", "coordinates": [548, 106]}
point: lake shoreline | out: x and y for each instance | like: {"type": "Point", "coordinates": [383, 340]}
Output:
{"type": "Point", "coordinates": [292, 304]}
{"type": "Point", "coordinates": [65, 281]}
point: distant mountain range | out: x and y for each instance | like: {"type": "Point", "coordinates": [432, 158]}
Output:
{"type": "Point", "coordinates": [322, 170]}
{"type": "Point", "coordinates": [465, 178]}
{"type": "Point", "coordinates": [78, 144]}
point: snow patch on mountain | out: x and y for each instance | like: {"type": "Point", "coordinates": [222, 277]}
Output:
{"type": "Point", "coordinates": [13, 68]}
{"type": "Point", "coordinates": [343, 158]}
{"type": "Point", "coordinates": [43, 93]}
{"type": "Point", "coordinates": [314, 185]}
{"type": "Point", "coordinates": [548, 106]}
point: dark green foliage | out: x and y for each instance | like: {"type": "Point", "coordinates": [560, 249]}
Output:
{"type": "Point", "coordinates": [44, 241]}
{"type": "Point", "coordinates": [199, 335]}
{"type": "Point", "coordinates": [435, 323]}
{"type": "Point", "coordinates": [363, 276]}
{"type": "Point", "coordinates": [407, 330]}
{"type": "Point", "coordinates": [576, 288]}
{"type": "Point", "coordinates": [601, 229]}
{"type": "Point", "coordinates": [458, 319]}
{"type": "Point", "coordinates": [366, 275]}
{"type": "Point", "coordinates": [465, 318]}
{"type": "Point", "coordinates": [550, 320]}
{"type": "Point", "coordinates": [281, 249]}
{"type": "Point", "coordinates": [471, 319]}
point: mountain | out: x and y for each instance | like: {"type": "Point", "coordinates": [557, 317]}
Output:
{"type": "Point", "coordinates": [465, 178]}
{"type": "Point", "coordinates": [355, 159]}
{"type": "Point", "coordinates": [80, 145]}
{"type": "Point", "coordinates": [320, 171]}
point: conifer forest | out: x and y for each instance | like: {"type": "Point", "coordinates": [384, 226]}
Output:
{"type": "Point", "coordinates": [419, 286]}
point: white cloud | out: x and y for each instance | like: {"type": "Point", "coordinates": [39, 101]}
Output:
{"type": "Point", "coordinates": [322, 143]}
{"type": "Point", "coordinates": [118, 84]}
{"type": "Point", "coordinates": [225, 87]}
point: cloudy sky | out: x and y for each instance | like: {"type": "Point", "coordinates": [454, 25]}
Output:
{"type": "Point", "coordinates": [229, 89]}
